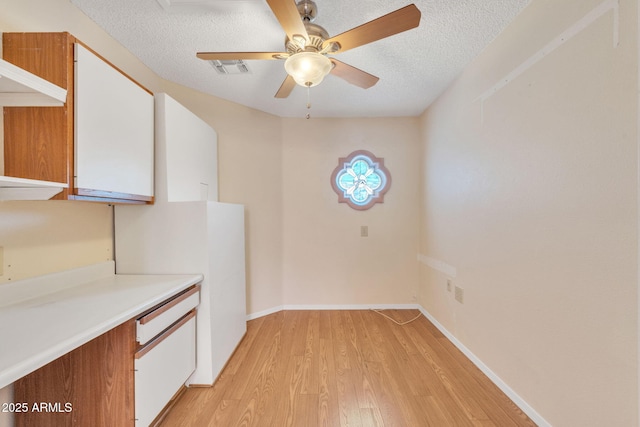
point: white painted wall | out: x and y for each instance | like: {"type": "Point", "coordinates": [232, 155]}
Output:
{"type": "Point", "coordinates": [530, 184]}
{"type": "Point", "coordinates": [326, 261]}
{"type": "Point", "coordinates": [41, 237]}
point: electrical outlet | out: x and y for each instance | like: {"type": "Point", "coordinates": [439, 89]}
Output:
{"type": "Point", "coordinates": [364, 231]}
{"type": "Point", "coordinates": [460, 295]}
{"type": "Point", "coordinates": [449, 285]}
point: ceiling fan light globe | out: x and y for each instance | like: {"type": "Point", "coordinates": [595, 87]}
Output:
{"type": "Point", "coordinates": [308, 68]}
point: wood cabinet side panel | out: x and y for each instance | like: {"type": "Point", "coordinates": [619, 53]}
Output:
{"type": "Point", "coordinates": [39, 140]}
{"type": "Point", "coordinates": [52, 383]}
{"type": "Point", "coordinates": [110, 394]}
{"type": "Point", "coordinates": [43, 54]}
{"type": "Point", "coordinates": [35, 143]}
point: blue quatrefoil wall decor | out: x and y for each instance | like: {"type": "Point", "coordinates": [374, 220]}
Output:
{"type": "Point", "coordinates": [360, 180]}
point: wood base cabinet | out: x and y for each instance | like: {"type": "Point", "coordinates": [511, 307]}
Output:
{"type": "Point", "coordinates": [123, 378]}
{"type": "Point", "coordinates": [100, 142]}
{"type": "Point", "coordinates": [92, 385]}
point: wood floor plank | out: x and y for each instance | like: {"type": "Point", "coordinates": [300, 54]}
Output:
{"type": "Point", "coordinates": [340, 341]}
{"type": "Point", "coordinates": [328, 409]}
{"type": "Point", "coordinates": [450, 378]}
{"type": "Point", "coordinates": [197, 405]}
{"type": "Point", "coordinates": [436, 413]}
{"type": "Point", "coordinates": [224, 414]}
{"type": "Point", "coordinates": [310, 366]}
{"type": "Point", "coordinates": [487, 392]}
{"type": "Point", "coordinates": [296, 325]}
{"type": "Point", "coordinates": [371, 417]}
{"type": "Point", "coordinates": [365, 344]}
{"type": "Point", "coordinates": [349, 408]}
{"type": "Point", "coordinates": [391, 404]}
{"type": "Point", "coordinates": [306, 411]}
{"type": "Point", "coordinates": [245, 345]}
{"type": "Point", "coordinates": [293, 401]}
{"type": "Point", "coordinates": [403, 351]}
{"type": "Point", "coordinates": [348, 369]}
{"type": "Point", "coordinates": [468, 382]}
{"type": "Point", "coordinates": [360, 376]}
{"type": "Point", "coordinates": [257, 351]}
{"type": "Point", "coordinates": [391, 377]}
{"type": "Point", "coordinates": [347, 399]}
{"type": "Point", "coordinates": [264, 382]}
{"type": "Point", "coordinates": [325, 324]}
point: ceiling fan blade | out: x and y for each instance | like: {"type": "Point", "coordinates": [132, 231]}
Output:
{"type": "Point", "coordinates": [353, 75]}
{"type": "Point", "coordinates": [226, 56]}
{"type": "Point", "coordinates": [393, 23]}
{"type": "Point", "coordinates": [287, 86]}
{"type": "Point", "coordinates": [287, 14]}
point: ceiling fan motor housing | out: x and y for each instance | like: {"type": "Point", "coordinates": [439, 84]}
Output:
{"type": "Point", "coordinates": [317, 36]}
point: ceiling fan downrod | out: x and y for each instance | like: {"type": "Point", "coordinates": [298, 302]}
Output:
{"type": "Point", "coordinates": [307, 10]}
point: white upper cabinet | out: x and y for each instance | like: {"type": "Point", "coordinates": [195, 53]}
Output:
{"type": "Point", "coordinates": [72, 118]}
{"type": "Point", "coordinates": [114, 129]}
{"type": "Point", "coordinates": [186, 154]}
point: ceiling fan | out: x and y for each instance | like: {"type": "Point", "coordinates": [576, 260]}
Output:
{"type": "Point", "coordinates": [308, 45]}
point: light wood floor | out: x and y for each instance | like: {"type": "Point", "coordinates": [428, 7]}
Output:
{"type": "Point", "coordinates": [346, 368]}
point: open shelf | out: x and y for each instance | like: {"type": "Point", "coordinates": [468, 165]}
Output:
{"type": "Point", "coordinates": [20, 88]}
{"type": "Point", "coordinates": [28, 189]}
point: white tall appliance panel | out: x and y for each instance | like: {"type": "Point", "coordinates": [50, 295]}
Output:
{"type": "Point", "coordinates": [187, 230]}
{"type": "Point", "coordinates": [186, 237]}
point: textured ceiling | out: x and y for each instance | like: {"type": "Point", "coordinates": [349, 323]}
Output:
{"type": "Point", "coordinates": [414, 67]}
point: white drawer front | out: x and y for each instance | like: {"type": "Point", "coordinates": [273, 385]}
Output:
{"type": "Point", "coordinates": [146, 330]}
{"type": "Point", "coordinates": [160, 372]}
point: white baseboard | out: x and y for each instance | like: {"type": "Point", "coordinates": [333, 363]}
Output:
{"type": "Point", "coordinates": [266, 312]}
{"type": "Point", "coordinates": [352, 307]}
{"type": "Point", "coordinates": [333, 307]}
{"type": "Point", "coordinates": [520, 402]}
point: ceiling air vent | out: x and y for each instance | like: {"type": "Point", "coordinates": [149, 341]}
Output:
{"type": "Point", "coordinates": [230, 67]}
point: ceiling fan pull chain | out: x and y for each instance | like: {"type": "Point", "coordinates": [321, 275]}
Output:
{"type": "Point", "coordinates": [308, 116]}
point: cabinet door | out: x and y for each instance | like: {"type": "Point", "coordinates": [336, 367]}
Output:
{"type": "Point", "coordinates": [186, 154]}
{"type": "Point", "coordinates": [113, 131]}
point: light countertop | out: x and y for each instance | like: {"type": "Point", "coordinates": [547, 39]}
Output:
{"type": "Point", "coordinates": [44, 318]}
